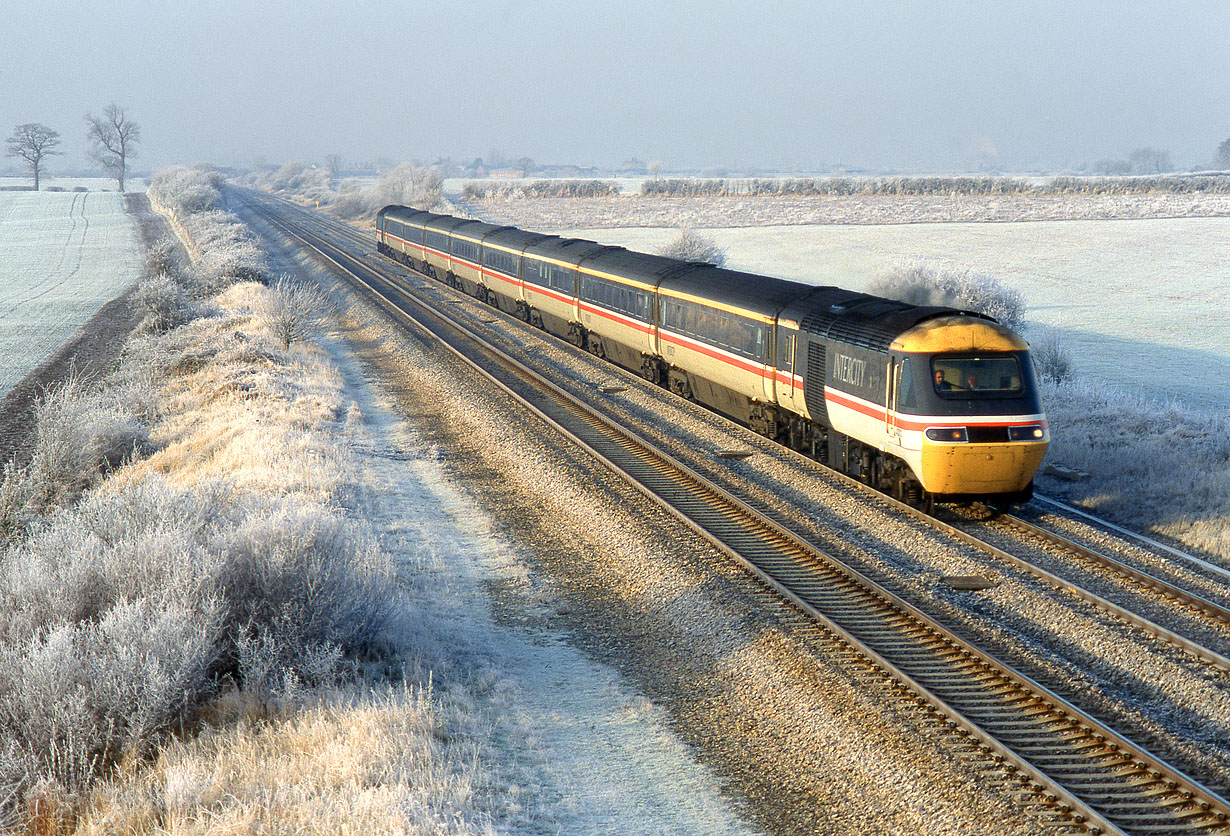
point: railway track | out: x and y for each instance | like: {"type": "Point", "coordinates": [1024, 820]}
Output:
{"type": "Point", "coordinates": [1088, 773]}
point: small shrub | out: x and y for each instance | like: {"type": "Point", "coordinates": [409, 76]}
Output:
{"type": "Point", "coordinates": [690, 246]}
{"type": "Point", "coordinates": [1052, 360]}
{"type": "Point", "coordinates": [119, 617]}
{"type": "Point", "coordinates": [294, 309]}
{"type": "Point", "coordinates": [80, 436]}
{"type": "Point", "coordinates": [163, 259]}
{"type": "Point", "coordinates": [165, 304]}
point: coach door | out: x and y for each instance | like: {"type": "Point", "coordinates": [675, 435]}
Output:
{"type": "Point", "coordinates": [892, 382]}
{"type": "Point", "coordinates": [786, 382]}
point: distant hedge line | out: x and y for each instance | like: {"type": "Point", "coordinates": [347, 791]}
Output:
{"type": "Point", "coordinates": [1170, 184]}
{"type": "Point", "coordinates": [541, 188]}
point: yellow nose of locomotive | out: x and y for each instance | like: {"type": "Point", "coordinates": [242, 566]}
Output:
{"type": "Point", "coordinates": [963, 468]}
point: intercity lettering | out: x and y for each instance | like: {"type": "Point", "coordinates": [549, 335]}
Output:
{"type": "Point", "coordinates": [849, 370]}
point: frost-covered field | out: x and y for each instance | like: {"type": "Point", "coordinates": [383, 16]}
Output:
{"type": "Point", "coordinates": [93, 184]}
{"type": "Point", "coordinates": [1141, 304]}
{"type": "Point", "coordinates": [65, 254]}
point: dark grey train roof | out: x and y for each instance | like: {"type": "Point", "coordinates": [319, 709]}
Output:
{"type": "Point", "coordinates": [408, 214]}
{"type": "Point", "coordinates": [860, 318]}
{"type": "Point", "coordinates": [831, 312]}
{"type": "Point", "coordinates": [763, 295]}
{"type": "Point", "coordinates": [477, 230]}
{"type": "Point", "coordinates": [444, 223]}
{"type": "Point", "coordinates": [516, 239]}
{"type": "Point", "coordinates": [467, 228]}
{"type": "Point", "coordinates": [570, 250]}
{"type": "Point", "coordinates": [640, 267]}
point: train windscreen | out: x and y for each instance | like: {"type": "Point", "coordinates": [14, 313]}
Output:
{"type": "Point", "coordinates": [974, 376]}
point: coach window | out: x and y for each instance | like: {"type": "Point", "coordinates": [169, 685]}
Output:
{"type": "Point", "coordinates": [561, 279]}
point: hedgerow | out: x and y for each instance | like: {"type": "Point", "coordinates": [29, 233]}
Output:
{"type": "Point", "coordinates": [938, 185]}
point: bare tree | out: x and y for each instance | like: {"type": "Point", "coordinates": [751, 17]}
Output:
{"type": "Point", "coordinates": [1223, 154]}
{"type": "Point", "coordinates": [1150, 161]}
{"type": "Point", "coordinates": [32, 142]}
{"type": "Point", "coordinates": [114, 137]}
{"type": "Point", "coordinates": [333, 162]}
{"type": "Point", "coordinates": [411, 185]}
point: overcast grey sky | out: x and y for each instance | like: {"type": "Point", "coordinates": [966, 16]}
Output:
{"type": "Point", "coordinates": [919, 85]}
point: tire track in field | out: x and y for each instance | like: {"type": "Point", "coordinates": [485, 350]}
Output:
{"type": "Point", "coordinates": [50, 286]}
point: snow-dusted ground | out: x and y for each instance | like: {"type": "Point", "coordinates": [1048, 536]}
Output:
{"type": "Point", "coordinates": [573, 746]}
{"type": "Point", "coordinates": [1141, 304]}
{"type": "Point", "coordinates": [64, 254]}
{"type": "Point", "coordinates": [562, 744]}
{"type": "Point", "coordinates": [94, 184]}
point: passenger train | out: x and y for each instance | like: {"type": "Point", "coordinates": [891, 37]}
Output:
{"type": "Point", "coordinates": [929, 404]}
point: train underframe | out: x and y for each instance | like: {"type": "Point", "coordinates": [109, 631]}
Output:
{"type": "Point", "coordinates": [857, 459]}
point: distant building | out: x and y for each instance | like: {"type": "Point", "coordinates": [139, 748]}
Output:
{"type": "Point", "coordinates": [573, 172]}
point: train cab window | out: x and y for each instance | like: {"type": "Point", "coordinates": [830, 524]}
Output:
{"type": "Point", "coordinates": [995, 375]}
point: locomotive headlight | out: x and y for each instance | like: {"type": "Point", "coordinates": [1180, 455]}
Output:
{"type": "Point", "coordinates": [1033, 433]}
{"type": "Point", "coordinates": [950, 434]}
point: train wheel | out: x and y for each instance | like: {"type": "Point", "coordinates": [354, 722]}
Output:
{"type": "Point", "coordinates": [912, 493]}
{"type": "Point", "coordinates": [577, 334]}
{"type": "Point", "coordinates": [651, 370]}
{"type": "Point", "coordinates": [680, 385]}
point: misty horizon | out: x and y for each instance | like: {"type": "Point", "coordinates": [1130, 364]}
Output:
{"type": "Point", "coordinates": [884, 87]}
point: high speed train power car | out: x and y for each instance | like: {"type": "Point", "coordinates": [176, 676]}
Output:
{"type": "Point", "coordinates": [929, 404]}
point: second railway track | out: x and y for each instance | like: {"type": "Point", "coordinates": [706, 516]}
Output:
{"type": "Point", "coordinates": [1097, 777]}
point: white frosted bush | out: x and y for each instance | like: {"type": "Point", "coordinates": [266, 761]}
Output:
{"type": "Point", "coordinates": [228, 252]}
{"type": "Point", "coordinates": [163, 302]}
{"type": "Point", "coordinates": [80, 436]}
{"type": "Point", "coordinates": [963, 289]}
{"type": "Point", "coordinates": [118, 616]}
{"type": "Point", "coordinates": [187, 190]}
{"type": "Point", "coordinates": [690, 246]}
{"type": "Point", "coordinates": [294, 310]}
